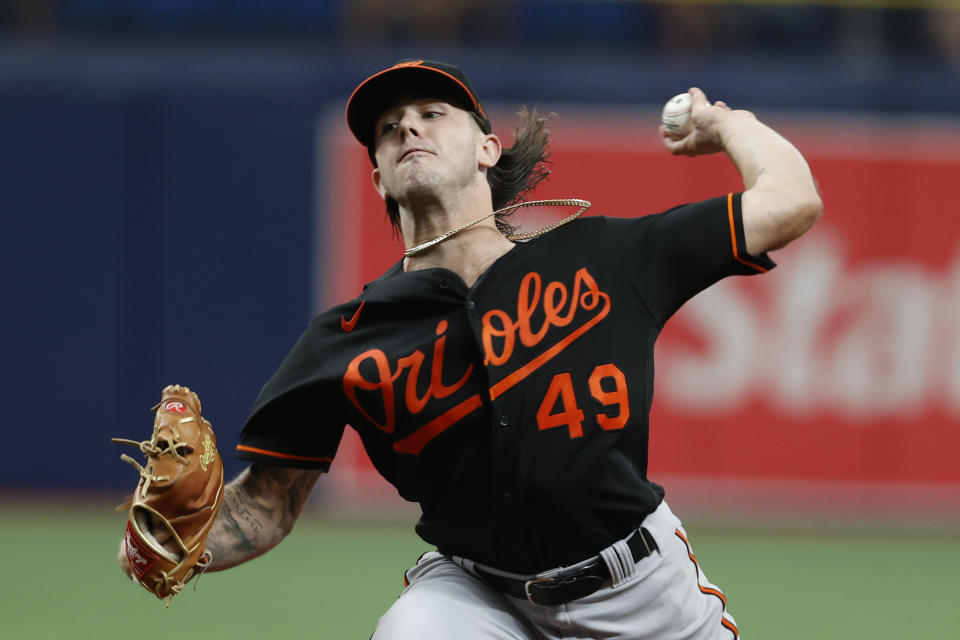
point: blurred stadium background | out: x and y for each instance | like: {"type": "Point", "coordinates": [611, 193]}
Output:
{"type": "Point", "coordinates": [179, 195]}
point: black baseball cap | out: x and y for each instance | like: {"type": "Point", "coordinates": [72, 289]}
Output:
{"type": "Point", "coordinates": [444, 80]}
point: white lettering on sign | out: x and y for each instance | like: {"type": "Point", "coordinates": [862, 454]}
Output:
{"type": "Point", "coordinates": [881, 339]}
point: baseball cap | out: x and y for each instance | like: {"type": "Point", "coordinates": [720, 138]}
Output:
{"type": "Point", "coordinates": [445, 80]}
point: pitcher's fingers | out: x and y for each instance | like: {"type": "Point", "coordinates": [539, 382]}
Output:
{"type": "Point", "coordinates": [676, 146]}
{"type": "Point", "coordinates": [699, 97]}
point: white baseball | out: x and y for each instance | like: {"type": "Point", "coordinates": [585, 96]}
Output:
{"type": "Point", "coordinates": [676, 115]}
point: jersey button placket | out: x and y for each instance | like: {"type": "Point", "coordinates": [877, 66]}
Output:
{"type": "Point", "coordinates": [504, 438]}
{"type": "Point", "coordinates": [471, 305]}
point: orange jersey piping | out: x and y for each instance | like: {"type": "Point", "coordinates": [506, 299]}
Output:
{"type": "Point", "coordinates": [728, 624]}
{"type": "Point", "coordinates": [733, 237]}
{"type": "Point", "coordinates": [285, 456]}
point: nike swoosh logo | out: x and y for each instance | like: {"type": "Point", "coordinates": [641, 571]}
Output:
{"type": "Point", "coordinates": [348, 325]}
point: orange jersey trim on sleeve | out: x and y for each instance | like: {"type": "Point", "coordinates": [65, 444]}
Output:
{"type": "Point", "coordinates": [285, 456]}
{"type": "Point", "coordinates": [733, 237]}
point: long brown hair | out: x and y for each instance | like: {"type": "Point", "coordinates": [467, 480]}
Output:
{"type": "Point", "coordinates": [520, 168]}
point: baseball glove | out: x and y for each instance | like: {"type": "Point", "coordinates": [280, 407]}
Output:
{"type": "Point", "coordinates": [177, 498]}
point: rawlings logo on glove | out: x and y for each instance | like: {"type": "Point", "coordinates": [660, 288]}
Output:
{"type": "Point", "coordinates": [177, 498]}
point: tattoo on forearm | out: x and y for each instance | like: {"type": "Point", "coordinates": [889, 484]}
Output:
{"type": "Point", "coordinates": [231, 509]}
{"type": "Point", "coordinates": [241, 510]}
{"type": "Point", "coordinates": [299, 492]}
{"type": "Point", "coordinates": [258, 510]}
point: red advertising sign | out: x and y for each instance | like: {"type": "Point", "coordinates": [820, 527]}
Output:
{"type": "Point", "coordinates": [841, 366]}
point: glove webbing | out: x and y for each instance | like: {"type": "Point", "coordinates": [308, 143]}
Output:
{"type": "Point", "coordinates": [176, 586]}
{"type": "Point", "coordinates": [156, 446]}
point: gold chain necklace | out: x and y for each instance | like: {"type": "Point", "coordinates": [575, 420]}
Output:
{"type": "Point", "coordinates": [517, 237]}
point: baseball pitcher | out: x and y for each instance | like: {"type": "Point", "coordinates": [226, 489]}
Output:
{"type": "Point", "coordinates": [505, 385]}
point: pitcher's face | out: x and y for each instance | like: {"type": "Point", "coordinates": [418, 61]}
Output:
{"type": "Point", "coordinates": [426, 145]}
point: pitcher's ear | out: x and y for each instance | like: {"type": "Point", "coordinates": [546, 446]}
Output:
{"type": "Point", "coordinates": [377, 184]}
{"type": "Point", "coordinates": [490, 150]}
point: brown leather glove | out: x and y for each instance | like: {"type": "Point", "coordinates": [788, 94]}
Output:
{"type": "Point", "coordinates": [177, 498]}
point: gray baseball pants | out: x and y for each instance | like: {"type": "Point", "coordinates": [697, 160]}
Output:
{"type": "Point", "coordinates": [665, 596]}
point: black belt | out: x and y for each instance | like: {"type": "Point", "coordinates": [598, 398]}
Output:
{"type": "Point", "coordinates": [568, 584]}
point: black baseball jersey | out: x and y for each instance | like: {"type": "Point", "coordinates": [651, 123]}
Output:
{"type": "Point", "coordinates": [515, 411]}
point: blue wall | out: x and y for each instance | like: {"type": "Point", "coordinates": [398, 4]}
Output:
{"type": "Point", "coordinates": [150, 235]}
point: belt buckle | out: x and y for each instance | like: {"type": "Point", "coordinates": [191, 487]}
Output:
{"type": "Point", "coordinates": [532, 581]}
